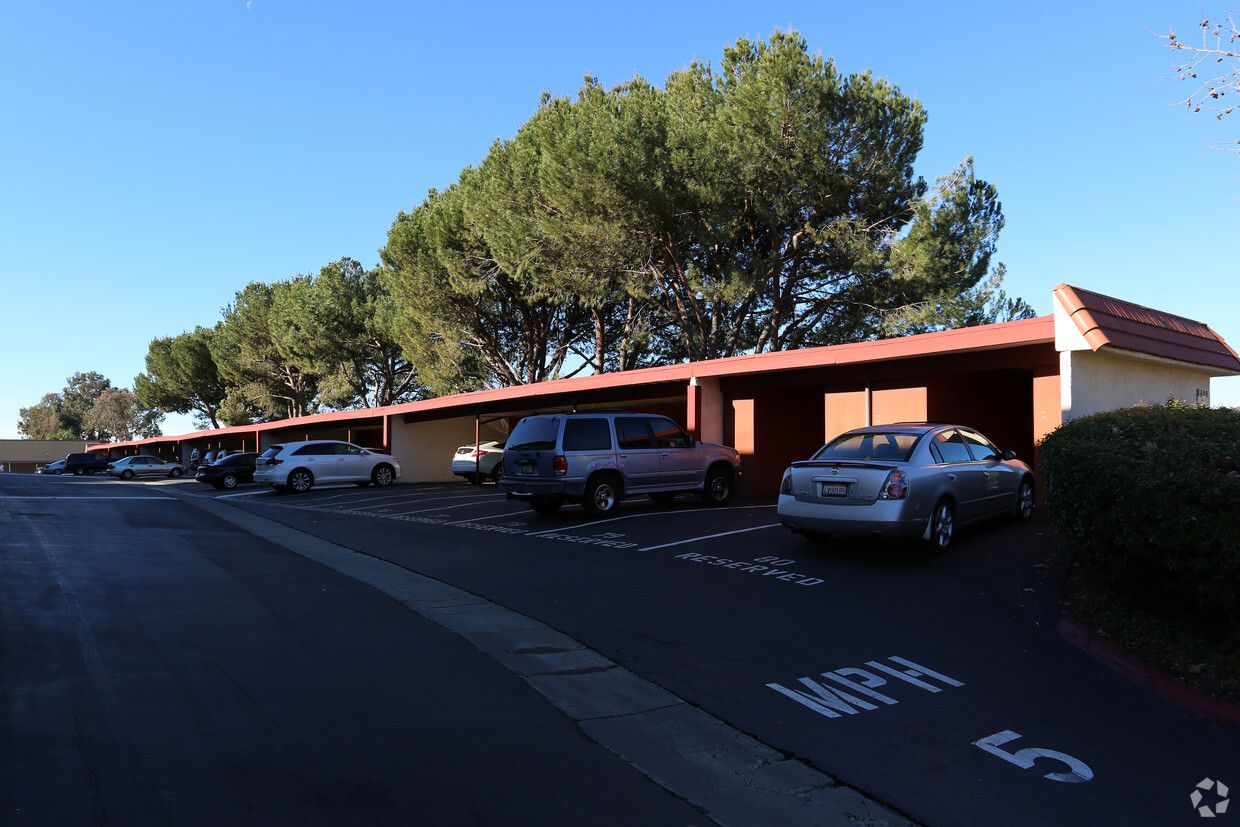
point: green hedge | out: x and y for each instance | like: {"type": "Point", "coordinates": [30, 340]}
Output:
{"type": "Point", "coordinates": [1148, 501]}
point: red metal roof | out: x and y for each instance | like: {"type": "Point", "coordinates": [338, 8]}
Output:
{"type": "Point", "coordinates": [1109, 322]}
{"type": "Point", "coordinates": [1102, 320]}
{"type": "Point", "coordinates": [962, 340]}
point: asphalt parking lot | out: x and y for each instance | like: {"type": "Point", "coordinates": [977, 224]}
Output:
{"type": "Point", "coordinates": [936, 685]}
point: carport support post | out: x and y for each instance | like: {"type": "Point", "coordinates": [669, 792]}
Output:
{"type": "Point", "coordinates": [477, 454]}
{"type": "Point", "coordinates": [704, 409]}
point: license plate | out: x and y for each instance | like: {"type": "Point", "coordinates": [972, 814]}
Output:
{"type": "Point", "coordinates": [834, 490]}
{"type": "Point", "coordinates": [526, 468]}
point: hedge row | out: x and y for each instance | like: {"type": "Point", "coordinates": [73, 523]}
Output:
{"type": "Point", "coordinates": [1148, 500]}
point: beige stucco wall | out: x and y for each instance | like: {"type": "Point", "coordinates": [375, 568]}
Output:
{"type": "Point", "coordinates": [1092, 382]}
{"type": "Point", "coordinates": [28, 454]}
{"type": "Point", "coordinates": [425, 449]}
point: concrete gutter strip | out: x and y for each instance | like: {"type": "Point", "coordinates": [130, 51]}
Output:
{"type": "Point", "coordinates": [731, 777]}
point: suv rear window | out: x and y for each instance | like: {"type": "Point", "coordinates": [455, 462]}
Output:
{"type": "Point", "coordinates": [535, 433]}
{"type": "Point", "coordinates": [587, 434]}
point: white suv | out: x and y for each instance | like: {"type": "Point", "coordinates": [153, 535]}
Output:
{"type": "Point", "coordinates": [298, 466]}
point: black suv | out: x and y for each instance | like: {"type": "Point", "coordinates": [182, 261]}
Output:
{"type": "Point", "coordinates": [91, 462]}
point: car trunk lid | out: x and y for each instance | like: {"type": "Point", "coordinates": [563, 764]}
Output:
{"type": "Point", "coordinates": [847, 482]}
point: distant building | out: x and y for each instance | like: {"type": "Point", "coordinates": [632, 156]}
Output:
{"type": "Point", "coordinates": [26, 455]}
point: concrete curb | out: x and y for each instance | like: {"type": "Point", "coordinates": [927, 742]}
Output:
{"type": "Point", "coordinates": [732, 778]}
{"type": "Point", "coordinates": [1114, 657]}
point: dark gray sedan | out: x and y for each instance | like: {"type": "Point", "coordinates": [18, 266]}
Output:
{"type": "Point", "coordinates": [229, 471]}
{"type": "Point", "coordinates": [904, 480]}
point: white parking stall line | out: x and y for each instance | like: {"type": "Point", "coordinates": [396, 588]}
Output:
{"type": "Point", "coordinates": [711, 537]}
{"type": "Point", "coordinates": [424, 510]}
{"type": "Point", "coordinates": [133, 497]}
{"type": "Point", "coordinates": [524, 511]}
{"type": "Point", "coordinates": [243, 494]}
{"type": "Point", "coordinates": [588, 523]}
{"type": "Point", "coordinates": [339, 496]}
{"type": "Point", "coordinates": [471, 497]}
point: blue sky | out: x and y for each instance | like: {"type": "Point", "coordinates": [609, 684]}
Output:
{"type": "Point", "coordinates": [157, 157]}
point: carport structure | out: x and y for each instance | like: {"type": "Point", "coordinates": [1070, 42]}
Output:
{"type": "Point", "coordinates": [1014, 381]}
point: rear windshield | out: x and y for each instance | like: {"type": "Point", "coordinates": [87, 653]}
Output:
{"type": "Point", "coordinates": [880, 446]}
{"type": "Point", "coordinates": [535, 433]}
{"type": "Point", "coordinates": [272, 451]}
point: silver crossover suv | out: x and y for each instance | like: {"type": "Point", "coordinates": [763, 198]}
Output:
{"type": "Point", "coordinates": [298, 466]}
{"type": "Point", "coordinates": [599, 458]}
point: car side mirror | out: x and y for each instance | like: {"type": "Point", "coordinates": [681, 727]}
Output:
{"type": "Point", "coordinates": [1009, 455]}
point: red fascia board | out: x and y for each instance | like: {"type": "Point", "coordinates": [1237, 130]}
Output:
{"type": "Point", "coordinates": [961, 340]}
{"type": "Point", "coordinates": [983, 337]}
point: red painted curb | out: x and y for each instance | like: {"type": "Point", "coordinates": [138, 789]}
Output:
{"type": "Point", "coordinates": [1142, 673]}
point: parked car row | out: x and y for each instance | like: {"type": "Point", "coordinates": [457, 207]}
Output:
{"type": "Point", "coordinates": [293, 466]}
{"type": "Point", "coordinates": [912, 480]}
{"type": "Point", "coordinates": [199, 458]}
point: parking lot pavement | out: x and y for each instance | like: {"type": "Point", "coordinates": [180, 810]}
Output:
{"type": "Point", "coordinates": [935, 683]}
{"type": "Point", "coordinates": [639, 524]}
{"type": "Point", "coordinates": [164, 666]}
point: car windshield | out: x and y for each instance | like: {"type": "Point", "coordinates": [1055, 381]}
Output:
{"type": "Point", "coordinates": [869, 445]}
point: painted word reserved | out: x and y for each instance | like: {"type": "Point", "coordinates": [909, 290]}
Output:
{"type": "Point", "coordinates": [851, 686]}
{"type": "Point", "coordinates": [758, 567]}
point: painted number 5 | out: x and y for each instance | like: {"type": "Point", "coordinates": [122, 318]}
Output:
{"type": "Point", "coordinates": [1078, 770]}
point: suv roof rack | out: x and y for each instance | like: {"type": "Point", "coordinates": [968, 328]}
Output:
{"type": "Point", "coordinates": [575, 411]}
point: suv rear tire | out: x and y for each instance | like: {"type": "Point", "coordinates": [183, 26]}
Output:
{"type": "Point", "coordinates": [300, 481]}
{"type": "Point", "coordinates": [602, 495]}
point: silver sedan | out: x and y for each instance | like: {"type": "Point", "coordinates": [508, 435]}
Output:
{"type": "Point", "coordinates": [144, 466]}
{"type": "Point", "coordinates": [904, 480]}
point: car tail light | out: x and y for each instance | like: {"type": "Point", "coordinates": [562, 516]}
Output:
{"type": "Point", "coordinates": [559, 465]}
{"type": "Point", "coordinates": [477, 454]}
{"type": "Point", "coordinates": [895, 487]}
{"type": "Point", "coordinates": [274, 461]}
{"type": "Point", "coordinates": [785, 485]}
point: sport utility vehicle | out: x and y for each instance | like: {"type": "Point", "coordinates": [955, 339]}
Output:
{"type": "Point", "coordinates": [298, 466]}
{"type": "Point", "coordinates": [91, 462]}
{"type": "Point", "coordinates": [599, 458]}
